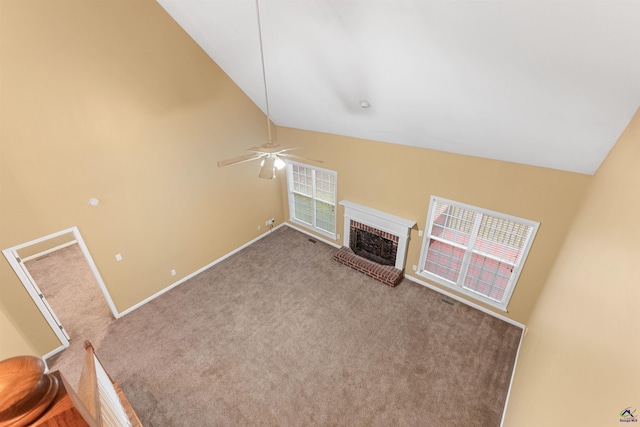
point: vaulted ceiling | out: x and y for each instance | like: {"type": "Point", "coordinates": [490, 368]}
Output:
{"type": "Point", "coordinates": [545, 83]}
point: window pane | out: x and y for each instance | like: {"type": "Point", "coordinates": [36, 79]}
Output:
{"type": "Point", "coordinates": [303, 208]}
{"type": "Point", "coordinates": [502, 239]}
{"type": "Point", "coordinates": [453, 223]}
{"type": "Point", "coordinates": [302, 179]}
{"type": "Point", "coordinates": [325, 187]}
{"type": "Point", "coordinates": [325, 216]}
{"type": "Point", "coordinates": [444, 260]}
{"type": "Point", "coordinates": [488, 277]}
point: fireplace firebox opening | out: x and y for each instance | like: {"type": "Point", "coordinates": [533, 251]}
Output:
{"type": "Point", "coordinates": [373, 244]}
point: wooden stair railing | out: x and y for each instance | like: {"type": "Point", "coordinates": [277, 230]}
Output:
{"type": "Point", "coordinates": [29, 396]}
{"type": "Point", "coordinates": [102, 395]}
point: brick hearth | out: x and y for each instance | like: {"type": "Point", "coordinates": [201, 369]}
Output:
{"type": "Point", "coordinates": [384, 273]}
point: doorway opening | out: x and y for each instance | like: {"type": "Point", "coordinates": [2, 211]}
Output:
{"type": "Point", "coordinates": [60, 276]}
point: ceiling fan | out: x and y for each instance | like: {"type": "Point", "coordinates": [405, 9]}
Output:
{"type": "Point", "coordinates": [272, 154]}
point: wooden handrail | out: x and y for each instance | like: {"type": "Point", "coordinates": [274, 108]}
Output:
{"type": "Point", "coordinates": [29, 396]}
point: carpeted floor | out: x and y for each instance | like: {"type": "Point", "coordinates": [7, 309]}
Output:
{"type": "Point", "coordinates": [281, 334]}
{"type": "Point", "coordinates": [68, 284]}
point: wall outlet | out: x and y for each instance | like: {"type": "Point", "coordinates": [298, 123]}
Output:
{"type": "Point", "coordinates": [419, 233]}
{"type": "Point", "coordinates": [259, 228]}
{"type": "Point", "coordinates": [118, 257]}
{"type": "Point", "coordinates": [173, 272]}
{"type": "Point", "coordinates": [414, 268]}
{"type": "Point", "coordinates": [269, 222]}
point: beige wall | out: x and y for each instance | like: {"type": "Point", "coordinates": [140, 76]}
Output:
{"type": "Point", "coordinates": [579, 359]}
{"type": "Point", "coordinates": [399, 180]}
{"type": "Point", "coordinates": [47, 245]}
{"type": "Point", "coordinates": [111, 99]}
{"type": "Point", "coordinates": [11, 341]}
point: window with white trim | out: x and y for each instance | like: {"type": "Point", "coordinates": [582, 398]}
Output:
{"type": "Point", "coordinates": [475, 251]}
{"type": "Point", "coordinates": [312, 197]}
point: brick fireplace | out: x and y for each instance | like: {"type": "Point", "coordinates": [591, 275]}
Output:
{"type": "Point", "coordinates": [375, 242]}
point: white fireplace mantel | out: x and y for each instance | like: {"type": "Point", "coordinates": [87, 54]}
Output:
{"type": "Point", "coordinates": [382, 221]}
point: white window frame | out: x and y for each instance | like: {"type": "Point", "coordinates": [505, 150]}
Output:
{"type": "Point", "coordinates": [291, 192]}
{"type": "Point", "coordinates": [469, 250]}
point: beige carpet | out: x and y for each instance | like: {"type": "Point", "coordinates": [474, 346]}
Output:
{"type": "Point", "coordinates": [281, 334]}
{"type": "Point", "coordinates": [68, 284]}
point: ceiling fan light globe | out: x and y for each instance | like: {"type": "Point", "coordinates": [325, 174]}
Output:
{"type": "Point", "coordinates": [268, 170]}
{"type": "Point", "coordinates": [279, 163]}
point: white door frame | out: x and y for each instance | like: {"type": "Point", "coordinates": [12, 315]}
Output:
{"type": "Point", "coordinates": [39, 293]}
{"type": "Point", "coordinates": [42, 304]}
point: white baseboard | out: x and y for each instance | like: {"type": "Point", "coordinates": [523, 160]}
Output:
{"type": "Point", "coordinates": [464, 301]}
{"type": "Point", "coordinates": [195, 273]}
{"type": "Point", "coordinates": [50, 354]}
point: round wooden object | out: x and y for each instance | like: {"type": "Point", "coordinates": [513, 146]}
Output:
{"type": "Point", "coordinates": [25, 390]}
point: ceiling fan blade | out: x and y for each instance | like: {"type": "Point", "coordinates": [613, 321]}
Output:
{"type": "Point", "coordinates": [239, 159]}
{"type": "Point", "coordinates": [284, 150]}
{"type": "Point", "coordinates": [293, 156]}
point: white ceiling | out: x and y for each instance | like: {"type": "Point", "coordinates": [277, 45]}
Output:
{"type": "Point", "coordinates": [545, 83]}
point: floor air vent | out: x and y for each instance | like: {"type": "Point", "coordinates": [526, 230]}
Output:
{"type": "Point", "coordinates": [446, 301]}
{"type": "Point", "coordinates": [312, 241]}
